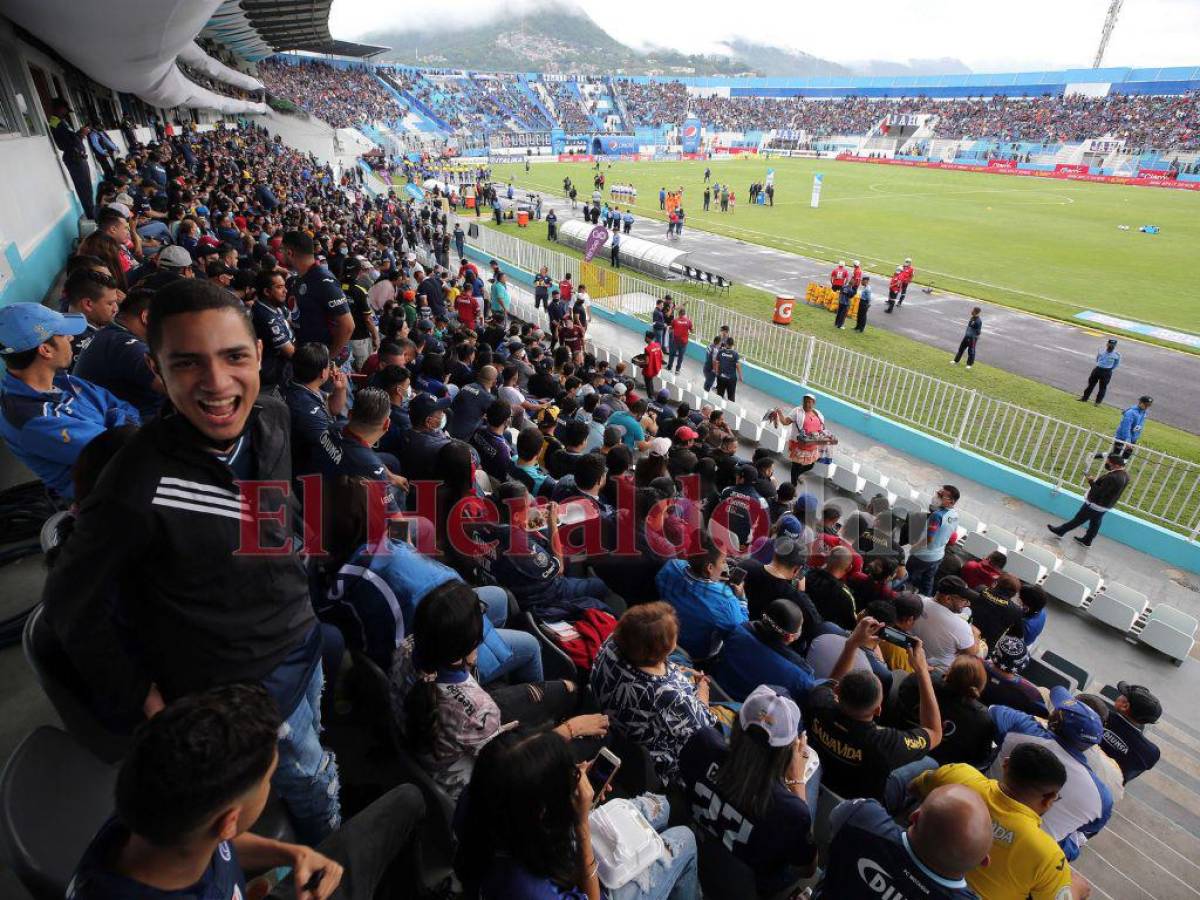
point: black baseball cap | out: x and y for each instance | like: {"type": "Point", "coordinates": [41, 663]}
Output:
{"type": "Point", "coordinates": [1143, 705]}
{"type": "Point", "coordinates": [956, 587]}
{"type": "Point", "coordinates": [422, 406]}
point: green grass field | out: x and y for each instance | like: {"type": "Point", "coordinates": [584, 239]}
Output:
{"type": "Point", "coordinates": [1049, 247]}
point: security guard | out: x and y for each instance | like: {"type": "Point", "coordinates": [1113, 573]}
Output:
{"type": "Point", "coordinates": [1107, 361]}
{"type": "Point", "coordinates": [74, 157]}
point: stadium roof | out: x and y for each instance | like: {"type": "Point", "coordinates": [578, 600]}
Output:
{"type": "Point", "coordinates": [254, 29]}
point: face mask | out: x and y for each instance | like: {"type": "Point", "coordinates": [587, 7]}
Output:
{"type": "Point", "coordinates": [935, 504]}
{"type": "Point", "coordinates": [343, 251]}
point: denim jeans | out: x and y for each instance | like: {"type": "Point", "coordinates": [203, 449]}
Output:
{"type": "Point", "coordinates": [895, 789]}
{"type": "Point", "coordinates": [525, 664]}
{"type": "Point", "coordinates": [675, 356]}
{"type": "Point", "coordinates": [496, 599]}
{"type": "Point", "coordinates": [921, 574]}
{"type": "Point", "coordinates": [674, 875]}
{"type": "Point", "coordinates": [307, 775]}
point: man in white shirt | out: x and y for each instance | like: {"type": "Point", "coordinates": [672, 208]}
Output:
{"type": "Point", "coordinates": [942, 628]}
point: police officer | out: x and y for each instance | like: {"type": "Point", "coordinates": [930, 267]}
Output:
{"type": "Point", "coordinates": [1107, 361]}
{"type": "Point", "coordinates": [74, 157]}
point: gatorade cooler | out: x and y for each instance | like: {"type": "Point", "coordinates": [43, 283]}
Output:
{"type": "Point", "coordinates": [784, 304]}
{"type": "Point", "coordinates": [469, 201]}
{"type": "Point", "coordinates": [522, 218]}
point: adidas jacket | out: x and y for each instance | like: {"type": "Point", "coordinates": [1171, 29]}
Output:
{"type": "Point", "coordinates": [160, 534]}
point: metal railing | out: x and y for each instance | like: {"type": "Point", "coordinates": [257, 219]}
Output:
{"type": "Point", "coordinates": [1162, 489]}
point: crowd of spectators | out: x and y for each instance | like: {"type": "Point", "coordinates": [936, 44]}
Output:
{"type": "Point", "coordinates": [249, 324]}
{"type": "Point", "coordinates": [343, 97]}
{"type": "Point", "coordinates": [572, 113]}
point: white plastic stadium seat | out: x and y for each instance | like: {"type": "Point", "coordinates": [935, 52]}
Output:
{"type": "Point", "coordinates": [823, 469]}
{"type": "Point", "coordinates": [1170, 632]}
{"type": "Point", "coordinates": [847, 480]}
{"type": "Point", "coordinates": [1005, 539]}
{"type": "Point", "coordinates": [1048, 558]}
{"type": "Point", "coordinates": [750, 430]}
{"type": "Point", "coordinates": [901, 489]}
{"type": "Point", "coordinates": [484, 481]}
{"type": "Point", "coordinates": [870, 473]}
{"type": "Point", "coordinates": [872, 489]}
{"type": "Point", "coordinates": [970, 522]}
{"type": "Point", "coordinates": [693, 399]}
{"type": "Point", "coordinates": [773, 440]}
{"type": "Point", "coordinates": [1066, 589]}
{"type": "Point", "coordinates": [1118, 606]}
{"type": "Point", "coordinates": [978, 546]}
{"type": "Point", "coordinates": [675, 392]}
{"type": "Point", "coordinates": [1024, 567]}
{"type": "Point", "coordinates": [1085, 576]}
{"type": "Point", "coordinates": [843, 460]}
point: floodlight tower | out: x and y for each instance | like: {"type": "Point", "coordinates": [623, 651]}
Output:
{"type": "Point", "coordinates": [1110, 22]}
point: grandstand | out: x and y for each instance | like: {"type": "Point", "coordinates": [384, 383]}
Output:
{"type": "Point", "coordinates": [258, 287]}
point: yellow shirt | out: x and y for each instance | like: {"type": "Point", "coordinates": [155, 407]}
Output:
{"type": "Point", "coordinates": [896, 657]}
{"type": "Point", "coordinates": [1025, 860]}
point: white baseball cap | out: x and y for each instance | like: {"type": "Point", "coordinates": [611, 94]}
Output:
{"type": "Point", "coordinates": [773, 712]}
{"type": "Point", "coordinates": [660, 446]}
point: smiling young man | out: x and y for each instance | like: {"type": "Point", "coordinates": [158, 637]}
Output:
{"type": "Point", "coordinates": [196, 561]}
{"type": "Point", "coordinates": [195, 781]}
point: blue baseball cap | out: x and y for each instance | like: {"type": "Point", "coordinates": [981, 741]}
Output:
{"type": "Point", "coordinates": [790, 525]}
{"type": "Point", "coordinates": [1079, 724]}
{"type": "Point", "coordinates": [24, 326]}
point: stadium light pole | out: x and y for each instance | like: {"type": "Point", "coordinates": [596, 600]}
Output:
{"type": "Point", "coordinates": [1110, 22]}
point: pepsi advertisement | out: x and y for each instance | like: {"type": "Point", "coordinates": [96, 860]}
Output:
{"type": "Point", "coordinates": [690, 136]}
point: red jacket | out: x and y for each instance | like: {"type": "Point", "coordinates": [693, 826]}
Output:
{"type": "Point", "coordinates": [464, 305]}
{"type": "Point", "coordinates": [979, 573]}
{"type": "Point", "coordinates": [681, 328]}
{"type": "Point", "coordinates": [594, 627]}
{"type": "Point", "coordinates": [856, 276]}
{"type": "Point", "coordinates": [907, 274]}
{"type": "Point", "coordinates": [654, 359]}
{"type": "Point", "coordinates": [823, 543]}
{"type": "Point", "coordinates": [838, 276]}
{"type": "Point", "coordinates": [565, 289]}
{"type": "Point", "coordinates": [896, 283]}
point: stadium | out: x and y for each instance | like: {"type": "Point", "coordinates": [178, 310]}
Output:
{"type": "Point", "coordinates": [496, 459]}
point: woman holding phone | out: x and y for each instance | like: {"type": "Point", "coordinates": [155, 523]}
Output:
{"type": "Point", "coordinates": [525, 832]}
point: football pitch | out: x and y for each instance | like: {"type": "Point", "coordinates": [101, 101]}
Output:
{"type": "Point", "coordinates": [1050, 247]}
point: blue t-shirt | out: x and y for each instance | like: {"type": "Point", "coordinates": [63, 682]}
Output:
{"type": "Point", "coordinates": [706, 609]}
{"type": "Point", "coordinates": [633, 428]}
{"type": "Point", "coordinates": [726, 360]}
{"type": "Point", "coordinates": [94, 878]}
{"type": "Point", "coordinates": [746, 662]}
{"type": "Point", "coordinates": [870, 858]}
{"type": "Point", "coordinates": [942, 523]}
{"type": "Point", "coordinates": [506, 879]}
{"type": "Point", "coordinates": [782, 837]}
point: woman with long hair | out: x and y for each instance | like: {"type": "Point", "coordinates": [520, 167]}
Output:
{"type": "Point", "coordinates": [968, 730]}
{"type": "Point", "coordinates": [526, 834]}
{"type": "Point", "coordinates": [446, 716]}
{"type": "Point", "coordinates": [756, 794]}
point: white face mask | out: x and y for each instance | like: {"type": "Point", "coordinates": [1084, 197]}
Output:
{"type": "Point", "coordinates": [935, 504]}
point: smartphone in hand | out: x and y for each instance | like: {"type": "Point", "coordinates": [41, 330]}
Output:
{"type": "Point", "coordinates": [601, 772]}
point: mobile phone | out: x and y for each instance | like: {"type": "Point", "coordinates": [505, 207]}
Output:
{"type": "Point", "coordinates": [602, 771]}
{"type": "Point", "coordinates": [896, 636]}
{"type": "Point", "coordinates": [736, 575]}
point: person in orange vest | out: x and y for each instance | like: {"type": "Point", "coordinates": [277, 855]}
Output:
{"type": "Point", "coordinates": [907, 272]}
{"type": "Point", "coordinates": [838, 276]}
{"type": "Point", "coordinates": [653, 364]}
{"type": "Point", "coordinates": [856, 275]}
{"type": "Point", "coordinates": [894, 288]}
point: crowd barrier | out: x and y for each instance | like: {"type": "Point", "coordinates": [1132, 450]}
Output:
{"type": "Point", "coordinates": [1003, 167]}
{"type": "Point", "coordinates": [1164, 491]}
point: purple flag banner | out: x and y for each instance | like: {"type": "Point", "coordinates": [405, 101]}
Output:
{"type": "Point", "coordinates": [594, 242]}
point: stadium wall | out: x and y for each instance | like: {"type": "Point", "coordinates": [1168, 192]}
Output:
{"type": "Point", "coordinates": [1168, 546]}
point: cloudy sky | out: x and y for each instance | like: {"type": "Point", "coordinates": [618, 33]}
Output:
{"type": "Point", "coordinates": [987, 36]}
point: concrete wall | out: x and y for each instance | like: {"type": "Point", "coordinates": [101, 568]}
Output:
{"type": "Point", "coordinates": [1169, 546]}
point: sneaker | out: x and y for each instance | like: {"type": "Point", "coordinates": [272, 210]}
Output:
{"type": "Point", "coordinates": [954, 362]}
{"type": "Point", "coordinates": [1083, 541]}
{"type": "Point", "coordinates": [1083, 399]}
{"type": "Point", "coordinates": [968, 365]}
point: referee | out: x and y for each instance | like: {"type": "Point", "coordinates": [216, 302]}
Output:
{"type": "Point", "coordinates": [1107, 361]}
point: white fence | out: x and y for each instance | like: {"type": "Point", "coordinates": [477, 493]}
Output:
{"type": "Point", "coordinates": [1163, 489]}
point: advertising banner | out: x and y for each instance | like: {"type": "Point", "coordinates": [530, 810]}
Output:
{"type": "Point", "coordinates": [1002, 163]}
{"type": "Point", "coordinates": [415, 192]}
{"type": "Point", "coordinates": [595, 241]}
{"type": "Point", "coordinates": [1158, 181]}
{"type": "Point", "coordinates": [818, 180]}
{"type": "Point", "coordinates": [690, 135]}
{"type": "Point", "coordinates": [1077, 168]}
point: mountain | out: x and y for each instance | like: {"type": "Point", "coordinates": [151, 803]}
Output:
{"type": "Point", "coordinates": [552, 38]}
{"type": "Point", "coordinates": [778, 62]}
{"type": "Point", "coordinates": [557, 37]}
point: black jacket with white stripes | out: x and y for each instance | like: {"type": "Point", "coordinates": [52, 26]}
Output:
{"type": "Point", "coordinates": [153, 584]}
